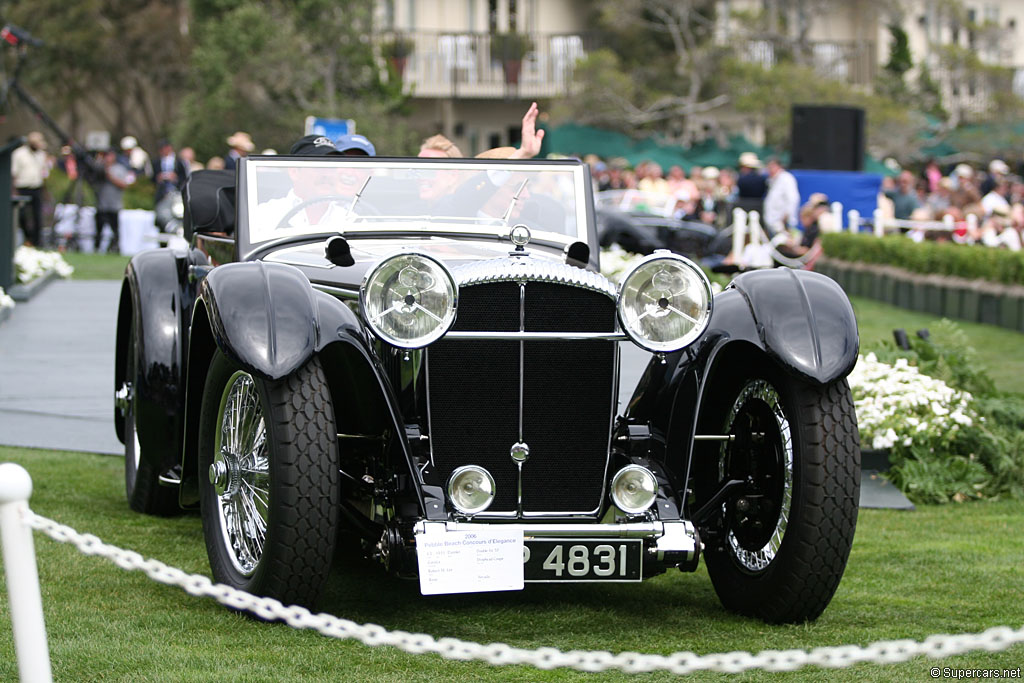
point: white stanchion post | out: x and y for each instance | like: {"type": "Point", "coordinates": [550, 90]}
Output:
{"type": "Point", "coordinates": [972, 226]}
{"type": "Point", "coordinates": [22, 576]}
{"type": "Point", "coordinates": [879, 224]}
{"type": "Point", "coordinates": [854, 217]}
{"type": "Point", "coordinates": [837, 215]}
{"type": "Point", "coordinates": [948, 221]}
{"type": "Point", "coordinates": [755, 228]}
{"type": "Point", "coordinates": [739, 233]}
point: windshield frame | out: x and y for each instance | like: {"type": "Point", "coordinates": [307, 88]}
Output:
{"type": "Point", "coordinates": [377, 227]}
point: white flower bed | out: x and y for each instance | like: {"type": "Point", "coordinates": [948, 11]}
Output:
{"type": "Point", "coordinates": [897, 405]}
{"type": "Point", "coordinates": [31, 263]}
{"type": "Point", "coordinates": [616, 262]}
{"type": "Point", "coordinates": [5, 300]}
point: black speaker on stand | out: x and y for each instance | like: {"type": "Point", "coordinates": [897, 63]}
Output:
{"type": "Point", "coordinates": [827, 138]}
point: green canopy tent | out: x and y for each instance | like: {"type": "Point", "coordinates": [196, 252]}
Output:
{"type": "Point", "coordinates": [576, 140]}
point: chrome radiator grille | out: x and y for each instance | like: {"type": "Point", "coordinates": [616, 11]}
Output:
{"type": "Point", "coordinates": [566, 406]}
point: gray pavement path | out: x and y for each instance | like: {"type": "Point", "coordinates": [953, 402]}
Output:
{"type": "Point", "coordinates": [56, 369]}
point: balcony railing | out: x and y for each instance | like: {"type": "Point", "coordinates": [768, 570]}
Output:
{"type": "Point", "coordinates": [854, 62]}
{"type": "Point", "coordinates": [463, 65]}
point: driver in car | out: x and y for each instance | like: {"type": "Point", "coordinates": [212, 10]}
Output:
{"type": "Point", "coordinates": [335, 188]}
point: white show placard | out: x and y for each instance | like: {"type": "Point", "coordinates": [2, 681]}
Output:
{"type": "Point", "coordinates": [485, 559]}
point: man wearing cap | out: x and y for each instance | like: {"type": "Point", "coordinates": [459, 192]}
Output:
{"type": "Point", "coordinates": [354, 145]}
{"type": "Point", "coordinates": [751, 184]}
{"type": "Point", "coordinates": [335, 185]}
{"type": "Point", "coordinates": [135, 157]}
{"type": "Point", "coordinates": [241, 145]}
{"type": "Point", "coordinates": [28, 171]}
{"type": "Point", "coordinates": [997, 172]}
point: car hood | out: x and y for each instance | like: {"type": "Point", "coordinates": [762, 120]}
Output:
{"type": "Point", "coordinates": [310, 258]}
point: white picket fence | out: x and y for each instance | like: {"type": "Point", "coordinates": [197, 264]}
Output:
{"type": "Point", "coordinates": [17, 522]}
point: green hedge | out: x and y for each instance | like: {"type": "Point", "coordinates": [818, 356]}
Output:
{"type": "Point", "coordinates": [971, 262]}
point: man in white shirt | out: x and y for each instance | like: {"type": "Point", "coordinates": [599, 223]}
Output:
{"type": "Point", "coordinates": [29, 169]}
{"type": "Point", "coordinates": [325, 194]}
{"type": "Point", "coordinates": [995, 200]}
{"type": "Point", "coordinates": [782, 202]}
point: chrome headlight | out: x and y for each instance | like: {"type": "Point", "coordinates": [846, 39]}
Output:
{"type": "Point", "coordinates": [664, 302]}
{"type": "Point", "coordinates": [471, 489]}
{"type": "Point", "coordinates": [634, 489]}
{"type": "Point", "coordinates": [409, 300]}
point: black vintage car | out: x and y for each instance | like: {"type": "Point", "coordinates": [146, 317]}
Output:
{"type": "Point", "coordinates": [424, 354]}
{"type": "Point", "coordinates": [642, 222]}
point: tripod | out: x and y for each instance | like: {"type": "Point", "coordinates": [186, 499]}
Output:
{"type": "Point", "coordinates": [21, 40]}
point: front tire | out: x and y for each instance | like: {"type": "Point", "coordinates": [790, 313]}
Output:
{"type": "Point", "coordinates": [779, 546]}
{"type": "Point", "coordinates": [269, 489]}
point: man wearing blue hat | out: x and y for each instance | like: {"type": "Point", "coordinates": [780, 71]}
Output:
{"type": "Point", "coordinates": [355, 145]}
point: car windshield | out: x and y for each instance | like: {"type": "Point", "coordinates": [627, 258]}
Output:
{"type": "Point", "coordinates": [286, 197]}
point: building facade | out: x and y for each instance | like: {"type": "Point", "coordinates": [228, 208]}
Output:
{"type": "Point", "coordinates": [472, 67]}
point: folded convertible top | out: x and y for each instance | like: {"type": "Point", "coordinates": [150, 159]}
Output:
{"type": "Point", "coordinates": [209, 198]}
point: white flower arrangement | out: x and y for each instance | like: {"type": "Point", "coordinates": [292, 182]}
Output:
{"type": "Point", "coordinates": [31, 263]}
{"type": "Point", "coordinates": [897, 405]}
{"type": "Point", "coordinates": [616, 262]}
{"type": "Point", "coordinates": [5, 300]}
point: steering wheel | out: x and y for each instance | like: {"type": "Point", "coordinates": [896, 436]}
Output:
{"type": "Point", "coordinates": [364, 208]}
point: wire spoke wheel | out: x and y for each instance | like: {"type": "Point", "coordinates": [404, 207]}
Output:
{"type": "Point", "coordinates": [758, 521]}
{"type": "Point", "coordinates": [269, 480]}
{"type": "Point", "coordinates": [240, 474]}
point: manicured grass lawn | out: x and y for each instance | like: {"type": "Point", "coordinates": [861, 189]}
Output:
{"type": "Point", "coordinates": [949, 569]}
{"type": "Point", "coordinates": [96, 266]}
{"type": "Point", "coordinates": [1000, 351]}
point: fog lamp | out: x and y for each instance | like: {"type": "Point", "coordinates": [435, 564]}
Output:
{"type": "Point", "coordinates": [634, 489]}
{"type": "Point", "coordinates": [471, 489]}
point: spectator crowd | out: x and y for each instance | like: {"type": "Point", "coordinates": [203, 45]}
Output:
{"type": "Point", "coordinates": [962, 203]}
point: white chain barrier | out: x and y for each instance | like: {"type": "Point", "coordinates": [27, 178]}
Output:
{"type": "Point", "coordinates": [882, 652]}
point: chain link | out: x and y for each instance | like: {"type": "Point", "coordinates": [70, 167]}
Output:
{"type": "Point", "coordinates": [882, 652]}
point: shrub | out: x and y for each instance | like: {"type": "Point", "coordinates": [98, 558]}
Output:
{"type": "Point", "coordinates": [510, 47]}
{"type": "Point", "coordinates": [972, 262]}
{"type": "Point", "coordinates": [951, 435]}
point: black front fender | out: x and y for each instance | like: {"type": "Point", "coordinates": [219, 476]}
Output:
{"type": "Point", "coordinates": [268, 318]}
{"type": "Point", "coordinates": [801, 321]}
{"type": "Point", "coordinates": [804, 320]}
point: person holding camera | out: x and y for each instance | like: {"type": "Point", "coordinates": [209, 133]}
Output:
{"type": "Point", "coordinates": [110, 198]}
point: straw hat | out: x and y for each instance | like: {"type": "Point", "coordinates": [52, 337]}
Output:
{"type": "Point", "coordinates": [749, 160]}
{"type": "Point", "coordinates": [241, 140]}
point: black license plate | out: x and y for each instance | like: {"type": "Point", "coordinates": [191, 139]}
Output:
{"type": "Point", "coordinates": [551, 559]}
